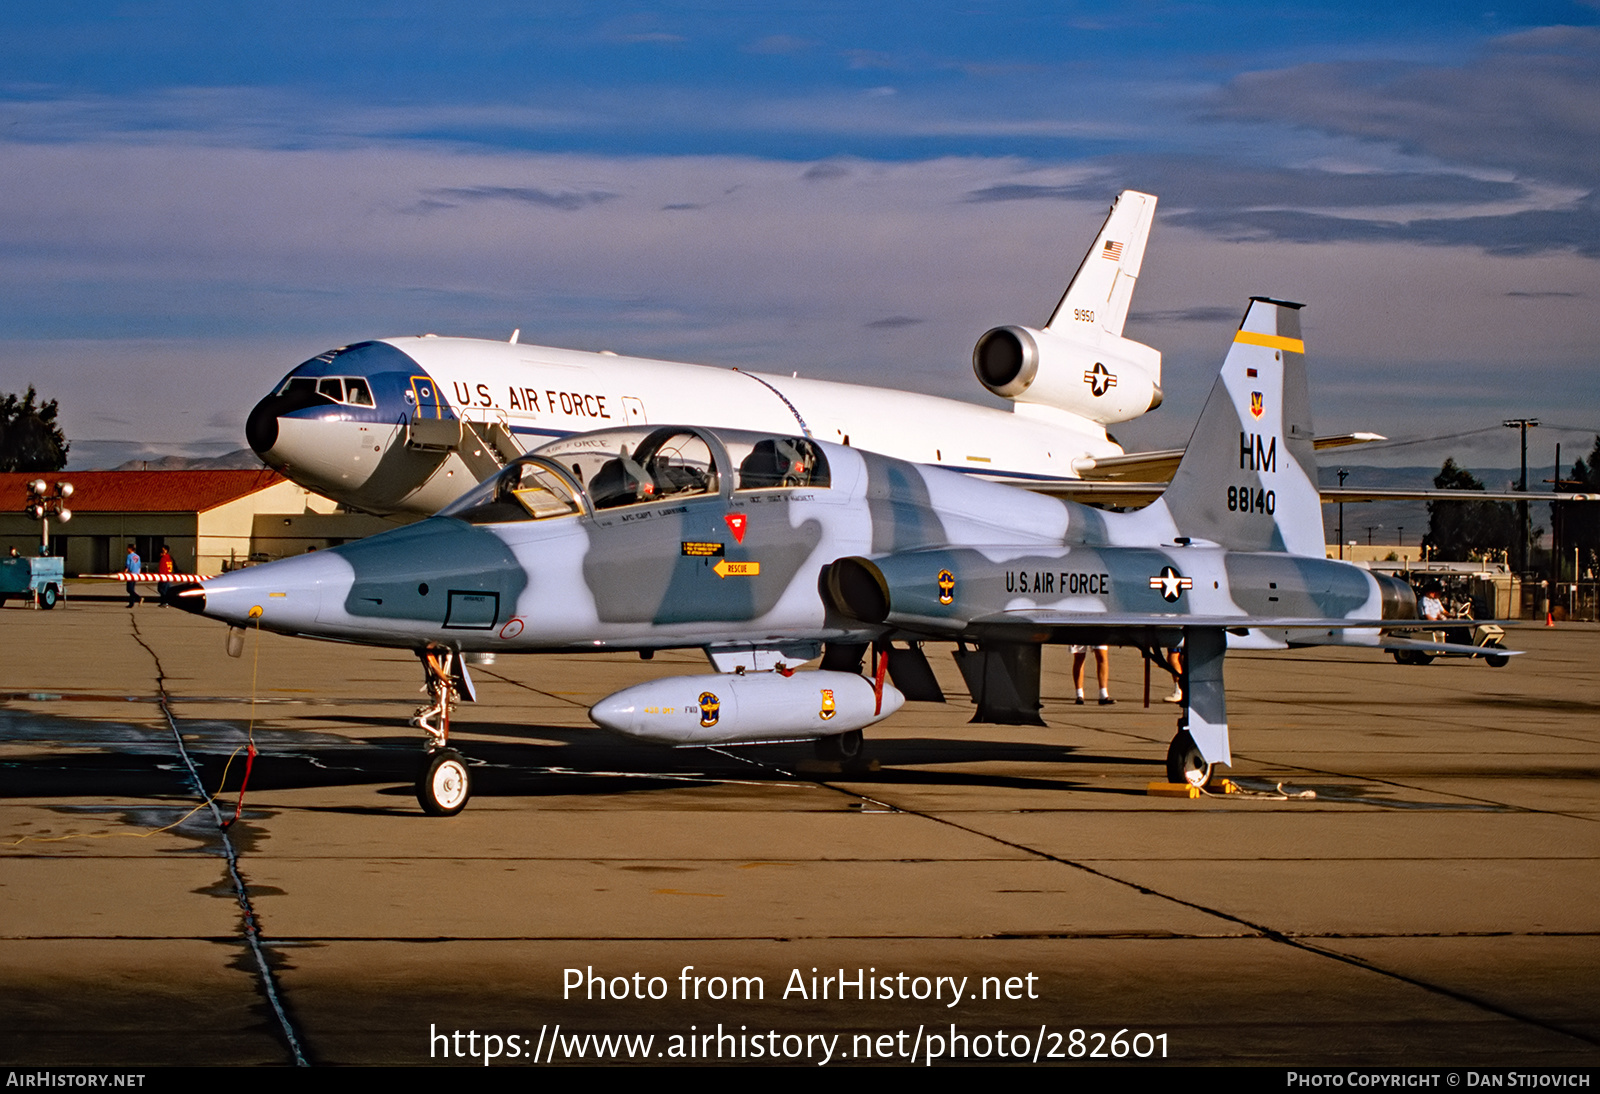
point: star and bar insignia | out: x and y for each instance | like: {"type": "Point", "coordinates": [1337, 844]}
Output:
{"type": "Point", "coordinates": [1171, 583]}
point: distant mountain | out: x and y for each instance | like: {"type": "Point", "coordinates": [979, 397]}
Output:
{"type": "Point", "coordinates": [240, 459]}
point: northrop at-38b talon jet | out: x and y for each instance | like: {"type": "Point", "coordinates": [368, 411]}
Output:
{"type": "Point", "coordinates": [766, 550]}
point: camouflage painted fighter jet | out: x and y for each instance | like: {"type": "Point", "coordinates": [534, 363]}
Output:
{"type": "Point", "coordinates": [767, 551]}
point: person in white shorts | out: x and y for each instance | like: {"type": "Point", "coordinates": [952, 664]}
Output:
{"type": "Point", "coordinates": [1102, 668]}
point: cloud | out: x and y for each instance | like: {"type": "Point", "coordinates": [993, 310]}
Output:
{"type": "Point", "coordinates": [780, 44]}
{"type": "Point", "coordinates": [527, 195]}
{"type": "Point", "coordinates": [1209, 182]}
{"type": "Point", "coordinates": [1307, 204]}
{"type": "Point", "coordinates": [1526, 103]}
{"type": "Point", "coordinates": [1523, 233]}
{"type": "Point", "coordinates": [827, 169]}
{"type": "Point", "coordinates": [1201, 314]}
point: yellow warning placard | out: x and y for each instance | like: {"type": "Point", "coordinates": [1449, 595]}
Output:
{"type": "Point", "coordinates": [725, 568]}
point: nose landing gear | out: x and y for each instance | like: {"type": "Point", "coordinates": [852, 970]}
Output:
{"type": "Point", "coordinates": [444, 784]}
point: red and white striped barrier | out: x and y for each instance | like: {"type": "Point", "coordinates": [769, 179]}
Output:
{"type": "Point", "coordinates": [159, 578]}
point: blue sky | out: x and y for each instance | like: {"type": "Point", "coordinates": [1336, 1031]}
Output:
{"type": "Point", "coordinates": [200, 195]}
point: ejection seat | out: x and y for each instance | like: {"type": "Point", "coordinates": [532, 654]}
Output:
{"type": "Point", "coordinates": [780, 461]}
{"type": "Point", "coordinates": [620, 481]}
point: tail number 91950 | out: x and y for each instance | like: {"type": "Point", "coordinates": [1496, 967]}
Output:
{"type": "Point", "coordinates": [1241, 499]}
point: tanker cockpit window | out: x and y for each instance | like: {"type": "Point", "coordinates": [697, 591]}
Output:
{"type": "Point", "coordinates": [356, 392]}
{"type": "Point", "coordinates": [346, 390]}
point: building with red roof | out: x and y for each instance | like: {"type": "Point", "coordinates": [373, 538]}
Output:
{"type": "Point", "coordinates": [209, 521]}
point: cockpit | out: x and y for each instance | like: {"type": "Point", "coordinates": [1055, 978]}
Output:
{"type": "Point", "coordinates": [617, 468]}
{"type": "Point", "coordinates": [349, 390]}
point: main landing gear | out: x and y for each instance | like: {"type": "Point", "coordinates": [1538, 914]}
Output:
{"type": "Point", "coordinates": [443, 782]}
{"type": "Point", "coordinates": [1184, 762]}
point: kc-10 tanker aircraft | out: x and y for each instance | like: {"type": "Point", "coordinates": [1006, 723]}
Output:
{"type": "Point", "coordinates": [406, 425]}
{"type": "Point", "coordinates": [768, 549]}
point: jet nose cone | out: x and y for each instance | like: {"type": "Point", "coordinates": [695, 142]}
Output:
{"type": "Point", "coordinates": [261, 427]}
{"type": "Point", "coordinates": [190, 596]}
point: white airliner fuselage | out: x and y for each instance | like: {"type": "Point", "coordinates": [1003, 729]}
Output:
{"type": "Point", "coordinates": [406, 425]}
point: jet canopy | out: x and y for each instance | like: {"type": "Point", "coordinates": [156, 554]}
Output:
{"type": "Point", "coordinates": [615, 468]}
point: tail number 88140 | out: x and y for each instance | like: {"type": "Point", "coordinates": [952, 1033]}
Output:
{"type": "Point", "coordinates": [1242, 499]}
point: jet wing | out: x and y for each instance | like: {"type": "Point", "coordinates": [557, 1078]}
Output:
{"type": "Point", "coordinates": [1054, 625]}
{"type": "Point", "coordinates": [1331, 494]}
{"type": "Point", "coordinates": [1157, 466]}
{"type": "Point", "coordinates": [1046, 625]}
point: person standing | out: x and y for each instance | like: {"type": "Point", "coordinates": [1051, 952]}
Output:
{"type": "Point", "coordinates": [132, 565]}
{"type": "Point", "coordinates": [164, 563]}
{"type": "Point", "coordinates": [1102, 667]}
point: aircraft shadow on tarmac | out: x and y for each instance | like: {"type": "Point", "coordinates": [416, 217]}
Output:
{"type": "Point", "coordinates": [139, 762]}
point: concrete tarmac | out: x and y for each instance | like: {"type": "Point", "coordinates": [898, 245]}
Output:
{"type": "Point", "coordinates": [1436, 903]}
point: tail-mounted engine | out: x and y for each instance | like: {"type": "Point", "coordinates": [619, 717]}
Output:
{"type": "Point", "coordinates": [1103, 377]}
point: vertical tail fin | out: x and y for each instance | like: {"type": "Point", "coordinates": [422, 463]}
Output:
{"type": "Point", "coordinates": [1248, 480]}
{"type": "Point", "coordinates": [1104, 283]}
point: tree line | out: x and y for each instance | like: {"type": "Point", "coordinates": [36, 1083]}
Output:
{"type": "Point", "coordinates": [30, 439]}
{"type": "Point", "coordinates": [1470, 530]}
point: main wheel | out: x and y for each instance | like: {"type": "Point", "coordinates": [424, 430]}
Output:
{"type": "Point", "coordinates": [443, 786]}
{"type": "Point", "coordinates": [1496, 661]}
{"type": "Point", "coordinates": [842, 746]}
{"type": "Point", "coordinates": [48, 597]}
{"type": "Point", "coordinates": [1184, 762]}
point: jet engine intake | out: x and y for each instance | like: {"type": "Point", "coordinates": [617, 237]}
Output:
{"type": "Point", "coordinates": [1102, 377]}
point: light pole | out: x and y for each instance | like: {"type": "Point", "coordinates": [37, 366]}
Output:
{"type": "Point", "coordinates": [44, 504]}
{"type": "Point", "coordinates": [1342, 472]}
{"type": "Point", "coordinates": [1524, 424]}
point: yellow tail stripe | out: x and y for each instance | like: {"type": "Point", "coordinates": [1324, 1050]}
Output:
{"type": "Point", "coordinates": [1271, 341]}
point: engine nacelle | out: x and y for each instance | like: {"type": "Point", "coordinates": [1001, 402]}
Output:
{"type": "Point", "coordinates": [1100, 376]}
{"type": "Point", "coordinates": [733, 708]}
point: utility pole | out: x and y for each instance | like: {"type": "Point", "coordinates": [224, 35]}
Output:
{"type": "Point", "coordinates": [1342, 472]}
{"type": "Point", "coordinates": [1523, 424]}
{"type": "Point", "coordinates": [1555, 522]}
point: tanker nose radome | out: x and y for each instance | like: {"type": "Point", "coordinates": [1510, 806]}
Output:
{"type": "Point", "coordinates": [261, 427]}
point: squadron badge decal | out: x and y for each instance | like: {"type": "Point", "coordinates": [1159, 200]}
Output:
{"type": "Point", "coordinates": [947, 587]}
{"type": "Point", "coordinates": [828, 709]}
{"type": "Point", "coordinates": [1171, 583]}
{"type": "Point", "coordinates": [710, 709]}
{"type": "Point", "coordinates": [1256, 409]}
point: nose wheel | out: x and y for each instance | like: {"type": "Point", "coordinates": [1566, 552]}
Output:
{"type": "Point", "coordinates": [443, 784]}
